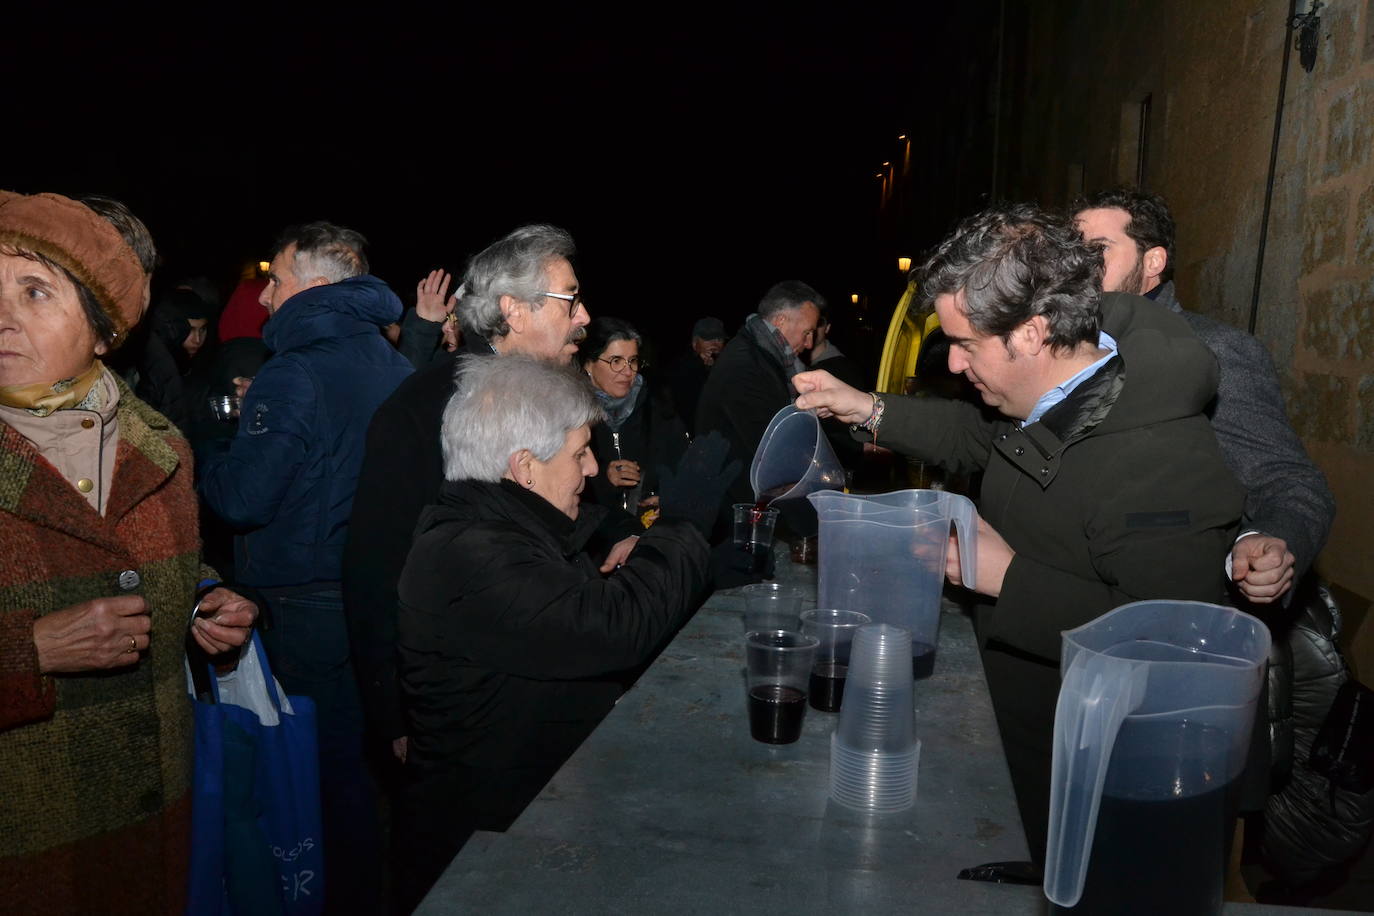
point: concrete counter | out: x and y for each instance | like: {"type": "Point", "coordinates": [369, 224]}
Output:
{"type": "Point", "coordinates": [670, 806]}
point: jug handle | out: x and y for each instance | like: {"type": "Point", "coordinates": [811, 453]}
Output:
{"type": "Point", "coordinates": [1097, 695]}
{"type": "Point", "coordinates": [965, 518]}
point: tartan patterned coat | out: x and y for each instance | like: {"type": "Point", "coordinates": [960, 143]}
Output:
{"type": "Point", "coordinates": [95, 768]}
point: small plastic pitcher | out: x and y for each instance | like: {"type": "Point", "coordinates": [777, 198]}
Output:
{"type": "Point", "coordinates": [1151, 734]}
{"type": "Point", "coordinates": [793, 460]}
{"type": "Point", "coordinates": [884, 555]}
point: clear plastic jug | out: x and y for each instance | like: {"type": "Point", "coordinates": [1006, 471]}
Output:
{"type": "Point", "coordinates": [884, 555]}
{"type": "Point", "coordinates": [793, 460]}
{"type": "Point", "coordinates": [1151, 734]}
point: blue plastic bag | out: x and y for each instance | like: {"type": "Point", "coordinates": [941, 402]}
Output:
{"type": "Point", "coordinates": [255, 817]}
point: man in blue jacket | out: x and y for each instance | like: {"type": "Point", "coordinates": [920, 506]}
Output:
{"type": "Point", "coordinates": [286, 484]}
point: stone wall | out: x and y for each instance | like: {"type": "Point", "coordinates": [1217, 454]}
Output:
{"type": "Point", "coordinates": [1077, 75]}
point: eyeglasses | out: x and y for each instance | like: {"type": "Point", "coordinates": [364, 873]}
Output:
{"type": "Point", "coordinates": [618, 363]}
{"type": "Point", "coordinates": [574, 300]}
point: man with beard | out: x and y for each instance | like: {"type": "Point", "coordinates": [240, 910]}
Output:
{"type": "Point", "coordinates": [519, 295]}
{"type": "Point", "coordinates": [1103, 483]}
{"type": "Point", "coordinates": [1288, 507]}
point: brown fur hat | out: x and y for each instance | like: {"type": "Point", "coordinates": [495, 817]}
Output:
{"type": "Point", "coordinates": [74, 236]}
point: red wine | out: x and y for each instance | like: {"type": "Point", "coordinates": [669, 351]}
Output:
{"type": "Point", "coordinates": [922, 660]}
{"type": "Point", "coordinates": [1158, 856]}
{"type": "Point", "coordinates": [768, 496]}
{"type": "Point", "coordinates": [759, 555]}
{"type": "Point", "coordinates": [775, 713]}
{"type": "Point", "coordinates": [827, 686]}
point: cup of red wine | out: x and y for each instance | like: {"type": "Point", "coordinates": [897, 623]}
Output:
{"type": "Point", "coordinates": [779, 671]}
{"type": "Point", "coordinates": [753, 534]}
{"type": "Point", "coordinates": [835, 631]}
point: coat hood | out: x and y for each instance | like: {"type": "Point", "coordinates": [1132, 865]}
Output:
{"type": "Point", "coordinates": [358, 305]}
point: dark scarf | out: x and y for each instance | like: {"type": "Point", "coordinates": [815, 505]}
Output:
{"type": "Point", "coordinates": [618, 410]}
{"type": "Point", "coordinates": [771, 341]}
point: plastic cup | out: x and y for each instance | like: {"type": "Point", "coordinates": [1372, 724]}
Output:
{"type": "Point", "coordinates": [874, 752]}
{"type": "Point", "coordinates": [753, 534]}
{"type": "Point", "coordinates": [770, 606]}
{"type": "Point", "coordinates": [225, 406]}
{"type": "Point", "coordinates": [779, 664]}
{"type": "Point", "coordinates": [835, 630]}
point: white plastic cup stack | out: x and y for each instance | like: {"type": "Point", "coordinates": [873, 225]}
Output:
{"type": "Point", "coordinates": [874, 751]}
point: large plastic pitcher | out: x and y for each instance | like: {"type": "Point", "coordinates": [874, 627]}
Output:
{"type": "Point", "coordinates": [884, 555]}
{"type": "Point", "coordinates": [1151, 734]}
{"type": "Point", "coordinates": [793, 460]}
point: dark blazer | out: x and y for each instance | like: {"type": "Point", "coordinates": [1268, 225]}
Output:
{"type": "Point", "coordinates": [745, 389]}
{"type": "Point", "coordinates": [1286, 494]}
{"type": "Point", "coordinates": [403, 469]}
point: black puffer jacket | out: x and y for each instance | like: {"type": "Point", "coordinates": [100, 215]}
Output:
{"type": "Point", "coordinates": [513, 647]}
{"type": "Point", "coordinates": [1309, 827]}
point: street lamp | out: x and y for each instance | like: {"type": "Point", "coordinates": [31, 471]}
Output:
{"type": "Point", "coordinates": [854, 298]}
{"type": "Point", "coordinates": [904, 264]}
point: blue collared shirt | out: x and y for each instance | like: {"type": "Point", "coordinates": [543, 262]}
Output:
{"type": "Point", "coordinates": [1058, 393]}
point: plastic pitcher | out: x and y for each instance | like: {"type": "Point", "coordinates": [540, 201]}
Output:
{"type": "Point", "coordinates": [793, 460]}
{"type": "Point", "coordinates": [1151, 734]}
{"type": "Point", "coordinates": [884, 555]}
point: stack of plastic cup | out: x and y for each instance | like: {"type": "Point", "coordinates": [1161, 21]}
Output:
{"type": "Point", "coordinates": [874, 751]}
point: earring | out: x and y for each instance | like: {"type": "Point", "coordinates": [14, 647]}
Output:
{"type": "Point", "coordinates": [529, 483]}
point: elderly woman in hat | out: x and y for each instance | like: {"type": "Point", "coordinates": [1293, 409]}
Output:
{"type": "Point", "coordinates": [99, 570]}
{"type": "Point", "coordinates": [512, 645]}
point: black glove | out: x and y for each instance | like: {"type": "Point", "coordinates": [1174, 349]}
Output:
{"type": "Point", "coordinates": [694, 491]}
{"type": "Point", "coordinates": [731, 567]}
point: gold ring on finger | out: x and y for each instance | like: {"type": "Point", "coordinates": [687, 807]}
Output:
{"type": "Point", "coordinates": [133, 645]}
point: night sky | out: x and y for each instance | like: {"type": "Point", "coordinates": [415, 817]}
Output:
{"type": "Point", "coordinates": [696, 161]}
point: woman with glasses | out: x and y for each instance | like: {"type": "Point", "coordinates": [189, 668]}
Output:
{"type": "Point", "coordinates": [625, 446]}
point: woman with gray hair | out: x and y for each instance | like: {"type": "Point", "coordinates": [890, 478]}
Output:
{"type": "Point", "coordinates": [512, 645]}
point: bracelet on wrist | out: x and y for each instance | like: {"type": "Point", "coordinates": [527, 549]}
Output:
{"type": "Point", "coordinates": [875, 417]}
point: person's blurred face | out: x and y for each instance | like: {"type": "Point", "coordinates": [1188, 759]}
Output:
{"type": "Point", "coordinates": [44, 333]}
{"type": "Point", "coordinates": [453, 334]}
{"type": "Point", "coordinates": [611, 371]}
{"type": "Point", "coordinates": [282, 282]}
{"type": "Point", "coordinates": [1123, 264]}
{"type": "Point", "coordinates": [798, 325]}
{"type": "Point", "coordinates": [195, 338]}
{"type": "Point", "coordinates": [707, 350]}
{"type": "Point", "coordinates": [553, 326]}
{"type": "Point", "coordinates": [560, 479]}
{"type": "Point", "coordinates": [986, 361]}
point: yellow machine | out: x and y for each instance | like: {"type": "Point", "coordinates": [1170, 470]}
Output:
{"type": "Point", "coordinates": [905, 333]}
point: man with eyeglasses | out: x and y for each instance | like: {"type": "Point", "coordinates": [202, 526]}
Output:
{"type": "Point", "coordinates": [519, 295]}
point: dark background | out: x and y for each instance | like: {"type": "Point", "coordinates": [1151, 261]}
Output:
{"type": "Point", "coordinates": [696, 157]}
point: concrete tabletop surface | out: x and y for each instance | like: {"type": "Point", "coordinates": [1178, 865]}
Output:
{"type": "Point", "coordinates": [671, 807]}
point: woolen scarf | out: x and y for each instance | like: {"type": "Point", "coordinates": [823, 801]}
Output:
{"type": "Point", "coordinates": [772, 342]}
